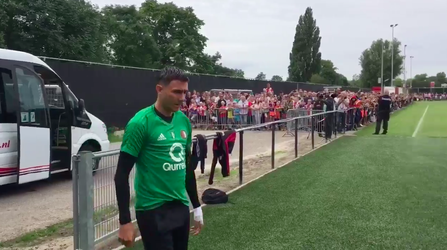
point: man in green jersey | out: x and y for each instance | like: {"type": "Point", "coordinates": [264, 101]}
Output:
{"type": "Point", "coordinates": [158, 140]}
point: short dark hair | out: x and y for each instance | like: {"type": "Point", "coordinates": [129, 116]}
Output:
{"type": "Point", "coordinates": [169, 74]}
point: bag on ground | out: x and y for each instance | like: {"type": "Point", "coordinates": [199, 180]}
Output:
{"type": "Point", "coordinates": [214, 196]}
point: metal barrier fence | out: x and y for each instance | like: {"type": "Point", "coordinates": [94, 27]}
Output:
{"type": "Point", "coordinates": [95, 210]}
{"type": "Point", "coordinates": [231, 118]}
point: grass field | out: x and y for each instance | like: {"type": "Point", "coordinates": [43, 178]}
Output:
{"type": "Point", "coordinates": [361, 192]}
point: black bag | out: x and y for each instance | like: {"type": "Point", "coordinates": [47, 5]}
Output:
{"type": "Point", "coordinates": [214, 196]}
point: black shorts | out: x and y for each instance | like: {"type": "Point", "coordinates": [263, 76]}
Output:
{"type": "Point", "coordinates": [166, 227]}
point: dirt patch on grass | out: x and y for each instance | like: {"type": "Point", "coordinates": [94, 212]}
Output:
{"type": "Point", "coordinates": [257, 165]}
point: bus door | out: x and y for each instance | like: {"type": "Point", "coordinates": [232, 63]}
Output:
{"type": "Point", "coordinates": [61, 117]}
{"type": "Point", "coordinates": [33, 126]}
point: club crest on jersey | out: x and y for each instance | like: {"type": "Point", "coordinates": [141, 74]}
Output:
{"type": "Point", "coordinates": [183, 134]}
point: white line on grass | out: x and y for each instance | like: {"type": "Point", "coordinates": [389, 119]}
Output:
{"type": "Point", "coordinates": [420, 122]}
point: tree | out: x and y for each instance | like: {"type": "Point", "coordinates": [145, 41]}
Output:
{"type": "Point", "coordinates": [440, 78]}
{"type": "Point", "coordinates": [328, 75]}
{"type": "Point", "coordinates": [277, 78]}
{"type": "Point", "coordinates": [212, 65]}
{"type": "Point", "coordinates": [342, 80]}
{"type": "Point", "coordinates": [328, 72]}
{"type": "Point", "coordinates": [398, 82]}
{"type": "Point", "coordinates": [152, 35]}
{"type": "Point", "coordinates": [3, 25]}
{"type": "Point", "coordinates": [261, 77]}
{"type": "Point", "coordinates": [356, 82]}
{"type": "Point", "coordinates": [56, 28]}
{"type": "Point", "coordinates": [176, 31]}
{"type": "Point", "coordinates": [130, 37]}
{"type": "Point", "coordinates": [423, 80]}
{"type": "Point", "coordinates": [305, 57]}
{"type": "Point", "coordinates": [316, 78]}
{"type": "Point", "coordinates": [371, 61]}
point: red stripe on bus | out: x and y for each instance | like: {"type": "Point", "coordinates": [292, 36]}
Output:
{"type": "Point", "coordinates": [5, 171]}
{"type": "Point", "coordinates": [43, 168]}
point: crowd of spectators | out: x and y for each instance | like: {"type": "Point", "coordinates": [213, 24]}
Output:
{"type": "Point", "coordinates": [432, 96]}
{"type": "Point", "coordinates": [223, 110]}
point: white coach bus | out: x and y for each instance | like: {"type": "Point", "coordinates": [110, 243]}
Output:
{"type": "Point", "coordinates": [42, 123]}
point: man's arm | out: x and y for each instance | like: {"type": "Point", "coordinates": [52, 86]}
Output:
{"type": "Point", "coordinates": [125, 165]}
{"type": "Point", "coordinates": [191, 183]}
{"type": "Point", "coordinates": [130, 149]}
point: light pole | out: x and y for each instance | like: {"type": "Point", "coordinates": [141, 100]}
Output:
{"type": "Point", "coordinates": [405, 73]}
{"type": "Point", "coordinates": [411, 73]}
{"type": "Point", "coordinates": [381, 71]}
{"type": "Point", "coordinates": [392, 52]}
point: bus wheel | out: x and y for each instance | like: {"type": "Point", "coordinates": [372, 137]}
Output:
{"type": "Point", "coordinates": [91, 148]}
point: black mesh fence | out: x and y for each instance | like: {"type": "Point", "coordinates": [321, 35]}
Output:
{"type": "Point", "coordinates": [114, 94]}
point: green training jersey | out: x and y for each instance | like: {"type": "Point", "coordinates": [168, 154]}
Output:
{"type": "Point", "coordinates": [161, 163]}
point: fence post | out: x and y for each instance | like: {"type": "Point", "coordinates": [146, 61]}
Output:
{"type": "Point", "coordinates": [335, 123]}
{"type": "Point", "coordinates": [312, 122]}
{"type": "Point", "coordinates": [296, 137]}
{"type": "Point", "coordinates": [74, 173]}
{"type": "Point", "coordinates": [85, 202]}
{"type": "Point", "coordinates": [273, 145]}
{"type": "Point", "coordinates": [241, 157]}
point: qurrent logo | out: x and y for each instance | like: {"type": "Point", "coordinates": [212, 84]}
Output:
{"type": "Point", "coordinates": [177, 153]}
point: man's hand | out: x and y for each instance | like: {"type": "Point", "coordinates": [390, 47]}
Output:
{"type": "Point", "coordinates": [198, 221]}
{"type": "Point", "coordinates": [126, 234]}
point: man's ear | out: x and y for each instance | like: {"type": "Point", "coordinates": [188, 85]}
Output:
{"type": "Point", "coordinates": [158, 88]}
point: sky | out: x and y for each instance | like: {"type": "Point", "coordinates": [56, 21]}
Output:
{"type": "Point", "coordinates": [257, 35]}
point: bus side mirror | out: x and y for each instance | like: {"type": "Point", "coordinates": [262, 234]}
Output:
{"type": "Point", "coordinates": [81, 105]}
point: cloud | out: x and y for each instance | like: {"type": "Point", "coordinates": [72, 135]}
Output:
{"type": "Point", "coordinates": [258, 34]}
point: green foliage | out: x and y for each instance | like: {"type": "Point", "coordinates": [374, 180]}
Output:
{"type": "Point", "coordinates": [153, 35]}
{"type": "Point", "coordinates": [175, 31]}
{"type": "Point", "coordinates": [132, 42]}
{"type": "Point", "coordinates": [305, 58]}
{"type": "Point", "coordinates": [371, 62]}
{"type": "Point", "coordinates": [277, 78]}
{"type": "Point", "coordinates": [56, 28]}
{"type": "Point", "coordinates": [398, 82]}
{"type": "Point", "coordinates": [423, 80]}
{"type": "Point", "coordinates": [211, 65]}
{"type": "Point", "coordinates": [355, 82]}
{"type": "Point", "coordinates": [328, 75]}
{"type": "Point", "coordinates": [261, 76]}
{"type": "Point", "coordinates": [316, 78]}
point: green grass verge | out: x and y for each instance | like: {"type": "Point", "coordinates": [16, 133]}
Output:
{"type": "Point", "coordinates": [61, 229]}
{"type": "Point", "coordinates": [36, 237]}
{"type": "Point", "coordinates": [115, 138]}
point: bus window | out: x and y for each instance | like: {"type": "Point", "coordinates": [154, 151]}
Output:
{"type": "Point", "coordinates": [8, 97]}
{"type": "Point", "coordinates": [31, 97]}
{"type": "Point", "coordinates": [53, 85]}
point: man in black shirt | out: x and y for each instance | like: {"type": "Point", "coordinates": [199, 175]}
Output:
{"type": "Point", "coordinates": [318, 108]}
{"type": "Point", "coordinates": [221, 99]}
{"type": "Point", "coordinates": [329, 121]}
{"type": "Point", "coordinates": [383, 113]}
